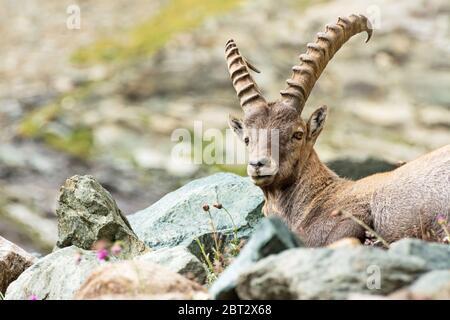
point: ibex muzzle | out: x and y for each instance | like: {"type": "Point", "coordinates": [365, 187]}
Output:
{"type": "Point", "coordinates": [263, 155]}
{"type": "Point", "coordinates": [299, 188]}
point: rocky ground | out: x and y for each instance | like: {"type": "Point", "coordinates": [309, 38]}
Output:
{"type": "Point", "coordinates": [226, 250]}
{"type": "Point", "coordinates": [104, 99]}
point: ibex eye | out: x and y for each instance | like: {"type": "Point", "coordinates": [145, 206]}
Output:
{"type": "Point", "coordinates": [246, 140]}
{"type": "Point", "coordinates": [298, 135]}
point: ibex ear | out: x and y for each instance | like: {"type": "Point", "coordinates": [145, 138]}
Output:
{"type": "Point", "coordinates": [236, 125]}
{"type": "Point", "coordinates": [316, 122]}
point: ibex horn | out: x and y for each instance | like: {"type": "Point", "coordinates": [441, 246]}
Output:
{"type": "Point", "coordinates": [246, 88]}
{"type": "Point", "coordinates": [314, 61]}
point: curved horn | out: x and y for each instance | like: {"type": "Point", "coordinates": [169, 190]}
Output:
{"type": "Point", "coordinates": [246, 88]}
{"type": "Point", "coordinates": [314, 61]}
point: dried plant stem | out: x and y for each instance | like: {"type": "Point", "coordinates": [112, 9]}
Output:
{"type": "Point", "coordinates": [232, 222]}
{"type": "Point", "coordinates": [365, 226]}
{"type": "Point", "coordinates": [205, 256]}
{"type": "Point", "coordinates": [215, 236]}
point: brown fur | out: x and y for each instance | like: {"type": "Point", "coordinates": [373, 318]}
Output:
{"type": "Point", "coordinates": [300, 189]}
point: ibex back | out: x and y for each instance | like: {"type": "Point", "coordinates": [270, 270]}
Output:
{"type": "Point", "coordinates": [300, 189]}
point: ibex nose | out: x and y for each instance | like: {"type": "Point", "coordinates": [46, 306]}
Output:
{"type": "Point", "coordinates": [259, 163]}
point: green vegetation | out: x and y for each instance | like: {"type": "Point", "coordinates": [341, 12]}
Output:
{"type": "Point", "coordinates": [78, 143]}
{"type": "Point", "coordinates": [240, 170]}
{"type": "Point", "coordinates": [223, 254]}
{"type": "Point", "coordinates": [35, 125]}
{"type": "Point", "coordinates": [144, 39]}
{"type": "Point", "coordinates": [36, 121]}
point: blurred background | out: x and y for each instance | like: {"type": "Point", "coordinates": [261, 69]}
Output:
{"type": "Point", "coordinates": [105, 98]}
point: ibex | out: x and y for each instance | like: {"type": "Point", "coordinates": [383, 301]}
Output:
{"type": "Point", "coordinates": [300, 189]}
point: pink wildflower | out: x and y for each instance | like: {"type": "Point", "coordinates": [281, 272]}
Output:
{"type": "Point", "coordinates": [102, 254]}
{"type": "Point", "coordinates": [116, 249]}
{"type": "Point", "coordinates": [33, 297]}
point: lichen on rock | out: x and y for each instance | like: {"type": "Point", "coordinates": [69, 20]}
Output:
{"type": "Point", "coordinates": [87, 213]}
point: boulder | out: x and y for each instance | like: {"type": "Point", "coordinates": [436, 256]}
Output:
{"type": "Point", "coordinates": [13, 261]}
{"type": "Point", "coordinates": [324, 273]}
{"type": "Point", "coordinates": [357, 169]}
{"type": "Point", "coordinates": [436, 255]}
{"type": "Point", "coordinates": [138, 279]}
{"type": "Point", "coordinates": [432, 285]}
{"type": "Point", "coordinates": [178, 218]}
{"type": "Point", "coordinates": [178, 259]}
{"type": "Point", "coordinates": [54, 277]}
{"type": "Point", "coordinates": [87, 213]}
{"type": "Point", "coordinates": [271, 236]}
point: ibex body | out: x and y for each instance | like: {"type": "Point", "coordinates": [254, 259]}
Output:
{"type": "Point", "coordinates": [299, 188]}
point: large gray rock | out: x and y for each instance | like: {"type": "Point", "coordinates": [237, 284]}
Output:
{"type": "Point", "coordinates": [87, 213]}
{"type": "Point", "coordinates": [324, 273]}
{"type": "Point", "coordinates": [432, 285]}
{"type": "Point", "coordinates": [57, 276]}
{"type": "Point", "coordinates": [178, 259]}
{"type": "Point", "coordinates": [436, 255]}
{"type": "Point", "coordinates": [178, 218]}
{"type": "Point", "coordinates": [13, 261]}
{"type": "Point", "coordinates": [271, 236]}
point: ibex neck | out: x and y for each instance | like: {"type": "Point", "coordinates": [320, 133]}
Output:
{"type": "Point", "coordinates": [310, 179]}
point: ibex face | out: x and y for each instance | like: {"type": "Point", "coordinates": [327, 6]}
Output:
{"type": "Point", "coordinates": [277, 138]}
{"type": "Point", "coordinates": [276, 153]}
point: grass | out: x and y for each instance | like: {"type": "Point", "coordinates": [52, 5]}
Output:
{"type": "Point", "coordinates": [2, 297]}
{"type": "Point", "coordinates": [222, 254]}
{"type": "Point", "coordinates": [78, 141]}
{"type": "Point", "coordinates": [146, 38]}
{"type": "Point", "coordinates": [240, 170]}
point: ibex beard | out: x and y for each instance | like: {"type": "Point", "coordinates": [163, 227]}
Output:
{"type": "Point", "coordinates": [300, 189]}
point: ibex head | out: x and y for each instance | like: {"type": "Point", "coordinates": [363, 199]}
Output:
{"type": "Point", "coordinates": [282, 118]}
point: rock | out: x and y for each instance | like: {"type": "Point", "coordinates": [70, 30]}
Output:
{"type": "Point", "coordinates": [270, 237]}
{"type": "Point", "coordinates": [354, 169]}
{"type": "Point", "coordinates": [345, 242]}
{"type": "Point", "coordinates": [13, 261]}
{"type": "Point", "coordinates": [178, 259]}
{"type": "Point", "coordinates": [436, 255]}
{"type": "Point", "coordinates": [56, 276]}
{"type": "Point", "coordinates": [432, 285]}
{"type": "Point", "coordinates": [324, 273]}
{"type": "Point", "coordinates": [178, 218]}
{"type": "Point", "coordinates": [136, 278]}
{"type": "Point", "coordinates": [87, 213]}
{"type": "Point", "coordinates": [362, 296]}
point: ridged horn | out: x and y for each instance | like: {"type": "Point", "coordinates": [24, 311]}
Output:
{"type": "Point", "coordinates": [246, 88]}
{"type": "Point", "coordinates": [314, 61]}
